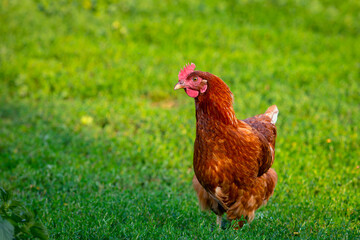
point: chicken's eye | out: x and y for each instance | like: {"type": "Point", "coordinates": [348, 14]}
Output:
{"type": "Point", "coordinates": [195, 79]}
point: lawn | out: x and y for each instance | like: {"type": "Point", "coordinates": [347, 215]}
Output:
{"type": "Point", "coordinates": [94, 140]}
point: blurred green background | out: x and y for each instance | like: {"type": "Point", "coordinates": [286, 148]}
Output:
{"type": "Point", "coordinates": [96, 142]}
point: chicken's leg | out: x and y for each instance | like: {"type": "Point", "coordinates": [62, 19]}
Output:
{"type": "Point", "coordinates": [218, 220]}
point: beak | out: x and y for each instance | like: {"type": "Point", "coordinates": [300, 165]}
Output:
{"type": "Point", "coordinates": [179, 85]}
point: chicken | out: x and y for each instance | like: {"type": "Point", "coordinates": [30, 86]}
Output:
{"type": "Point", "coordinates": [232, 158]}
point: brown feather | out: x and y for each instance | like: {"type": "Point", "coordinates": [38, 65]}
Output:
{"type": "Point", "coordinates": [232, 158]}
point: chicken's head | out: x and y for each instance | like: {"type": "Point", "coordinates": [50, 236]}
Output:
{"type": "Point", "coordinates": [190, 80]}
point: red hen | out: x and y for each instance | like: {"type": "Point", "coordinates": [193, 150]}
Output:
{"type": "Point", "coordinates": [232, 158]}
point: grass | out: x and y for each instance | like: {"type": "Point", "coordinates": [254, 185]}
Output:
{"type": "Point", "coordinates": [96, 142]}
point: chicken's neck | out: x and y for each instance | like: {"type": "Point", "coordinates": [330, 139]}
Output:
{"type": "Point", "coordinates": [216, 104]}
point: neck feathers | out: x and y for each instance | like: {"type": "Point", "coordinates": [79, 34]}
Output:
{"type": "Point", "coordinates": [217, 102]}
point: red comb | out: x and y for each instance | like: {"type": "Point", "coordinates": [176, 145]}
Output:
{"type": "Point", "coordinates": [186, 71]}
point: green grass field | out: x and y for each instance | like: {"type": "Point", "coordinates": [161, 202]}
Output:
{"type": "Point", "coordinates": [95, 141]}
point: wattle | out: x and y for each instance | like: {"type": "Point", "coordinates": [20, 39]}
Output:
{"type": "Point", "coordinates": [192, 93]}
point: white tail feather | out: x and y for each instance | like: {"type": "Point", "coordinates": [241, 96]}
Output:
{"type": "Point", "coordinates": [272, 112]}
{"type": "Point", "coordinates": [274, 117]}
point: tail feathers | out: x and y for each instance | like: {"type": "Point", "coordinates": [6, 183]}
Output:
{"type": "Point", "coordinates": [272, 112]}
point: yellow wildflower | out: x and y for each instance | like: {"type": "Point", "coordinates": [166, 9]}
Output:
{"type": "Point", "coordinates": [87, 4]}
{"type": "Point", "coordinates": [86, 120]}
{"type": "Point", "coordinates": [115, 25]}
